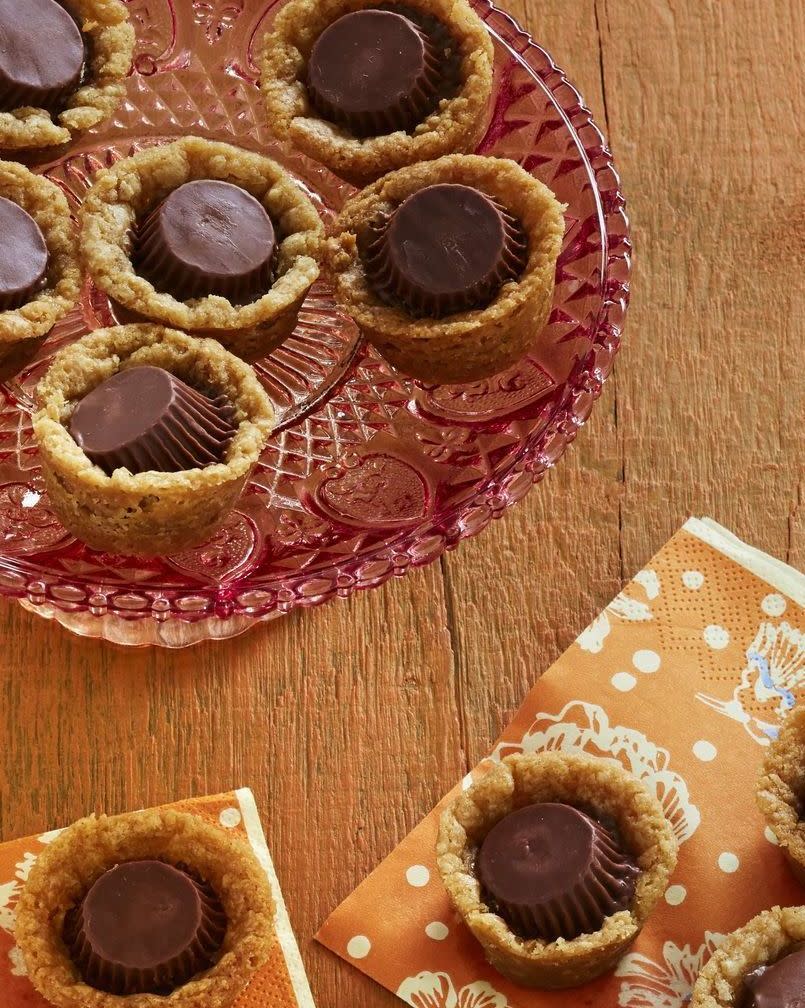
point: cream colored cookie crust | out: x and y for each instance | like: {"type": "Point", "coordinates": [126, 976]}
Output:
{"type": "Point", "coordinates": [765, 939]}
{"type": "Point", "coordinates": [46, 203]}
{"type": "Point", "coordinates": [105, 23]}
{"type": "Point", "coordinates": [149, 513]}
{"type": "Point", "coordinates": [469, 345]}
{"type": "Point", "coordinates": [458, 124]}
{"type": "Point", "coordinates": [596, 784]}
{"type": "Point", "coordinates": [70, 865]}
{"type": "Point", "coordinates": [122, 194]}
{"type": "Point", "coordinates": [781, 789]}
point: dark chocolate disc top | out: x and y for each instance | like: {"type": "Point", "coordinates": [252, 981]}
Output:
{"type": "Point", "coordinates": [41, 55]}
{"type": "Point", "coordinates": [552, 871]}
{"type": "Point", "coordinates": [145, 419]}
{"type": "Point", "coordinates": [447, 248]}
{"type": "Point", "coordinates": [145, 927]}
{"type": "Point", "coordinates": [779, 985]}
{"type": "Point", "coordinates": [208, 237]}
{"type": "Point", "coordinates": [374, 72]}
{"type": "Point", "coordinates": [23, 256]}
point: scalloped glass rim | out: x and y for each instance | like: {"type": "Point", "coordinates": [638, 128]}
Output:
{"type": "Point", "coordinates": [233, 607]}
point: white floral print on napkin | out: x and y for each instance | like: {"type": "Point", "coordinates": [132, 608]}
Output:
{"type": "Point", "coordinates": [648, 984]}
{"type": "Point", "coordinates": [625, 607]}
{"type": "Point", "coordinates": [774, 670]}
{"type": "Point", "coordinates": [436, 990]}
{"type": "Point", "coordinates": [585, 727]}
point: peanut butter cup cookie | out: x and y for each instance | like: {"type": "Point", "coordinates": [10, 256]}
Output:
{"type": "Point", "coordinates": [366, 88]}
{"type": "Point", "coordinates": [149, 910]}
{"type": "Point", "coordinates": [448, 267]}
{"type": "Point", "coordinates": [205, 237]}
{"type": "Point", "coordinates": [762, 965]}
{"type": "Point", "coordinates": [147, 437]}
{"type": "Point", "coordinates": [39, 274]}
{"type": "Point", "coordinates": [62, 66]}
{"type": "Point", "coordinates": [781, 790]}
{"type": "Point", "coordinates": [555, 861]}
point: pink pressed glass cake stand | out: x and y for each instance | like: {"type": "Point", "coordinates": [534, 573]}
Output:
{"type": "Point", "coordinates": [369, 474]}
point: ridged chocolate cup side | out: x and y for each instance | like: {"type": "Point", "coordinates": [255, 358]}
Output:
{"type": "Point", "coordinates": [188, 430]}
{"type": "Point", "coordinates": [24, 256]}
{"type": "Point", "coordinates": [580, 875]}
{"type": "Point", "coordinates": [160, 250]}
{"type": "Point", "coordinates": [408, 107]}
{"type": "Point", "coordinates": [395, 289]}
{"type": "Point", "coordinates": [161, 977]}
{"type": "Point", "coordinates": [52, 28]}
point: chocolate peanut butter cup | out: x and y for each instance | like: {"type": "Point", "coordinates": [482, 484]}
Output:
{"type": "Point", "coordinates": [145, 419]}
{"type": "Point", "coordinates": [23, 256]}
{"type": "Point", "coordinates": [41, 57]}
{"type": "Point", "coordinates": [40, 278]}
{"type": "Point", "coordinates": [365, 87]}
{"type": "Point", "coordinates": [374, 71]}
{"type": "Point", "coordinates": [552, 871]}
{"type": "Point", "coordinates": [208, 237]}
{"type": "Point", "coordinates": [555, 861]}
{"type": "Point", "coordinates": [448, 267]}
{"type": "Point", "coordinates": [777, 985]}
{"type": "Point", "coordinates": [761, 965]}
{"type": "Point", "coordinates": [63, 64]}
{"type": "Point", "coordinates": [446, 249]}
{"type": "Point", "coordinates": [145, 927]}
{"type": "Point", "coordinates": [146, 909]}
{"type": "Point", "coordinates": [153, 408]}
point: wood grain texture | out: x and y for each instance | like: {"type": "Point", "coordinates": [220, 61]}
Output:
{"type": "Point", "coordinates": [350, 721]}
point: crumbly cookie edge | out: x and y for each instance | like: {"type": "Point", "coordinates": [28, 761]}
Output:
{"type": "Point", "coordinates": [112, 37]}
{"type": "Point", "coordinates": [61, 876]}
{"type": "Point", "coordinates": [595, 783]}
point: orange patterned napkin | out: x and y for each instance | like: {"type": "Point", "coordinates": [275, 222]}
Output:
{"type": "Point", "coordinates": [281, 983]}
{"type": "Point", "coordinates": [682, 679]}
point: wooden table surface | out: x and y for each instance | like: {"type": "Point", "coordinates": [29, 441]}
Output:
{"type": "Point", "coordinates": [350, 721]}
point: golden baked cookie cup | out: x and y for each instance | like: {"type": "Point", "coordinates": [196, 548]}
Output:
{"type": "Point", "coordinates": [765, 939]}
{"type": "Point", "coordinates": [593, 784]}
{"type": "Point", "coordinates": [457, 125]}
{"type": "Point", "coordinates": [150, 513]}
{"type": "Point", "coordinates": [69, 866]}
{"type": "Point", "coordinates": [123, 194]}
{"type": "Point", "coordinates": [781, 790]}
{"type": "Point", "coordinates": [469, 345]}
{"type": "Point", "coordinates": [23, 329]}
{"type": "Point", "coordinates": [105, 24]}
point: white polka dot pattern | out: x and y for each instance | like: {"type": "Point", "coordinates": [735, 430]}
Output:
{"type": "Point", "coordinates": [774, 605]}
{"type": "Point", "coordinates": [230, 817]}
{"type": "Point", "coordinates": [704, 751]}
{"type": "Point", "coordinates": [417, 876]}
{"type": "Point", "coordinates": [623, 681]}
{"type": "Point", "coordinates": [728, 862]}
{"type": "Point", "coordinates": [693, 579]}
{"type": "Point", "coordinates": [716, 637]}
{"type": "Point", "coordinates": [359, 947]}
{"type": "Point", "coordinates": [646, 661]}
